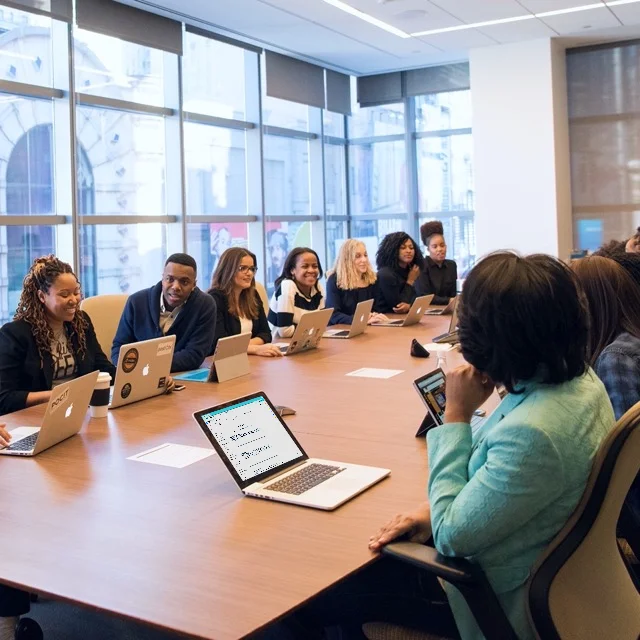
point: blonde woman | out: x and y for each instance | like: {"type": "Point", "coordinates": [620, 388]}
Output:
{"type": "Point", "coordinates": [351, 281]}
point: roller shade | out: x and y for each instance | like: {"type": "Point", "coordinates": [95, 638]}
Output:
{"type": "Point", "coordinates": [338, 87]}
{"type": "Point", "coordinates": [294, 80]}
{"type": "Point", "coordinates": [58, 9]}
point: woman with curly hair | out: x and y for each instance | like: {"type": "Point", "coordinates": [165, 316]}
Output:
{"type": "Point", "coordinates": [439, 274]}
{"type": "Point", "coordinates": [352, 281]}
{"type": "Point", "coordinates": [49, 341]}
{"type": "Point", "coordinates": [399, 263]}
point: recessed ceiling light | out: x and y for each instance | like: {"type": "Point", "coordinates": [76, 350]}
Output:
{"type": "Point", "coordinates": [343, 6]}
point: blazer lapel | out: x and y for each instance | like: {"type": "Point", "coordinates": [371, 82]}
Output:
{"type": "Point", "coordinates": [47, 369]}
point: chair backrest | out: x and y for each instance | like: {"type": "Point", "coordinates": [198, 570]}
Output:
{"type": "Point", "coordinates": [262, 292]}
{"type": "Point", "coordinates": [105, 312]}
{"type": "Point", "coordinates": [581, 587]}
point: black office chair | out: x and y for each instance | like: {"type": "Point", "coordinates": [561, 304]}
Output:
{"type": "Point", "coordinates": [581, 587]}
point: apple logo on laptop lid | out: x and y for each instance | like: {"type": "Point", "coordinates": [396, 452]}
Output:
{"type": "Point", "coordinates": [67, 413]}
{"type": "Point", "coordinates": [145, 371]}
{"type": "Point", "coordinates": [362, 318]}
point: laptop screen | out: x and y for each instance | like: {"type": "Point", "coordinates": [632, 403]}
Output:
{"type": "Point", "coordinates": [432, 390]}
{"type": "Point", "coordinates": [250, 437]}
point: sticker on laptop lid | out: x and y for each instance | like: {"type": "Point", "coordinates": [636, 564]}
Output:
{"type": "Point", "coordinates": [125, 392]}
{"type": "Point", "coordinates": [165, 348]}
{"type": "Point", "coordinates": [162, 382]}
{"type": "Point", "coordinates": [130, 360]}
{"type": "Point", "coordinates": [56, 402]}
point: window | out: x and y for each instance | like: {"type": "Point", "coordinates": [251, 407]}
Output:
{"type": "Point", "coordinates": [371, 232]}
{"type": "Point", "coordinates": [280, 239]}
{"type": "Point", "coordinates": [284, 114]}
{"type": "Point", "coordinates": [442, 111]}
{"type": "Point", "coordinates": [367, 122]}
{"type": "Point", "coordinates": [333, 124]}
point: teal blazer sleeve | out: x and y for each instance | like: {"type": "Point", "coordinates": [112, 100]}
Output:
{"type": "Point", "coordinates": [512, 485]}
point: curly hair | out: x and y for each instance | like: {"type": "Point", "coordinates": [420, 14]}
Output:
{"type": "Point", "coordinates": [523, 318]}
{"type": "Point", "coordinates": [611, 247]}
{"type": "Point", "coordinates": [432, 228]}
{"type": "Point", "coordinates": [290, 264]}
{"type": "Point", "coordinates": [223, 279]}
{"type": "Point", "coordinates": [347, 277]}
{"type": "Point", "coordinates": [43, 273]}
{"type": "Point", "coordinates": [387, 255]}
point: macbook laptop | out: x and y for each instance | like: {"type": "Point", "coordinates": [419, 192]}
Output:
{"type": "Point", "coordinates": [431, 388]}
{"type": "Point", "coordinates": [445, 311]}
{"type": "Point", "coordinates": [359, 324]}
{"type": "Point", "coordinates": [230, 360]}
{"type": "Point", "coordinates": [142, 371]}
{"type": "Point", "coordinates": [451, 336]}
{"type": "Point", "coordinates": [414, 316]}
{"type": "Point", "coordinates": [63, 418]}
{"type": "Point", "coordinates": [308, 332]}
{"type": "Point", "coordinates": [267, 461]}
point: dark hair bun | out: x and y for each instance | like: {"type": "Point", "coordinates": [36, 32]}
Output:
{"type": "Point", "coordinates": [429, 229]}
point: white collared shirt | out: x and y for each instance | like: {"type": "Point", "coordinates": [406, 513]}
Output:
{"type": "Point", "coordinates": [167, 318]}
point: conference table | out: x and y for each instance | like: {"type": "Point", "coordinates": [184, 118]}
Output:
{"type": "Point", "coordinates": [182, 549]}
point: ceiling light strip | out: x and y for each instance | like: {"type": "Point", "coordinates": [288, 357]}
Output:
{"type": "Point", "coordinates": [343, 6]}
{"type": "Point", "coordinates": [559, 12]}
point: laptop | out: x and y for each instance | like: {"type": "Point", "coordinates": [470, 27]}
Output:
{"type": "Point", "coordinates": [359, 324]}
{"type": "Point", "coordinates": [444, 311]}
{"type": "Point", "coordinates": [63, 418]}
{"type": "Point", "coordinates": [230, 360]}
{"type": "Point", "coordinates": [414, 316]}
{"type": "Point", "coordinates": [308, 332]}
{"type": "Point", "coordinates": [431, 388]}
{"type": "Point", "coordinates": [143, 369]}
{"type": "Point", "coordinates": [451, 336]}
{"type": "Point", "coordinates": [266, 460]}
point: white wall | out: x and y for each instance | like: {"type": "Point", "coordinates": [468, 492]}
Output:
{"type": "Point", "coordinates": [521, 148]}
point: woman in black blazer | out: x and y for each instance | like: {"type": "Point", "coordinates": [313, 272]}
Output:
{"type": "Point", "coordinates": [240, 310]}
{"type": "Point", "coordinates": [49, 341]}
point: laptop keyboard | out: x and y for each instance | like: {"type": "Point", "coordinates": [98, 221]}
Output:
{"type": "Point", "coordinates": [307, 478]}
{"type": "Point", "coordinates": [26, 444]}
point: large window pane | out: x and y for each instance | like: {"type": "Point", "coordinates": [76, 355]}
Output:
{"type": "Point", "coordinates": [213, 77]}
{"type": "Point", "coordinates": [207, 242]}
{"type": "Point", "coordinates": [121, 258]}
{"type": "Point", "coordinates": [113, 68]}
{"type": "Point", "coordinates": [25, 47]}
{"type": "Point", "coordinates": [282, 113]}
{"type": "Point", "coordinates": [281, 238]}
{"type": "Point", "coordinates": [445, 173]}
{"type": "Point", "coordinates": [377, 121]}
{"type": "Point", "coordinates": [216, 170]}
{"type": "Point", "coordinates": [377, 178]}
{"type": "Point", "coordinates": [333, 124]}
{"type": "Point", "coordinates": [335, 179]}
{"type": "Point", "coordinates": [336, 235]}
{"type": "Point", "coordinates": [460, 235]}
{"type": "Point", "coordinates": [371, 232]}
{"type": "Point", "coordinates": [286, 176]}
{"type": "Point", "coordinates": [441, 111]}
{"type": "Point", "coordinates": [122, 162]}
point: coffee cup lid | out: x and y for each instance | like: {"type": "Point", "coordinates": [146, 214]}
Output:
{"type": "Point", "coordinates": [103, 376]}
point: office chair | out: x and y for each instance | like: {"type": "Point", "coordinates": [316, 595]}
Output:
{"type": "Point", "coordinates": [581, 586]}
{"type": "Point", "coordinates": [105, 312]}
{"type": "Point", "coordinates": [262, 292]}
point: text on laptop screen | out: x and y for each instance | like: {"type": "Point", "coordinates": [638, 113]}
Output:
{"type": "Point", "coordinates": [252, 437]}
{"type": "Point", "coordinates": [432, 389]}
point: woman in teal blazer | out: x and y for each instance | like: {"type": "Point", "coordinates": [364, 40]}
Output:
{"type": "Point", "coordinates": [499, 494]}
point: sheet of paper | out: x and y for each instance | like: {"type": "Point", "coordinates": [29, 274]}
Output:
{"type": "Point", "coordinates": [368, 372]}
{"type": "Point", "coordinates": [173, 455]}
{"type": "Point", "coordinates": [434, 346]}
{"type": "Point", "coordinates": [199, 375]}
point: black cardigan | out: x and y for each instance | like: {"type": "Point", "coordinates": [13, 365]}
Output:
{"type": "Point", "coordinates": [22, 371]}
{"type": "Point", "coordinates": [439, 280]}
{"type": "Point", "coordinates": [394, 288]}
{"type": "Point", "coordinates": [229, 325]}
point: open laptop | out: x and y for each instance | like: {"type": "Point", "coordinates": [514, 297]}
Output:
{"type": "Point", "coordinates": [143, 369]}
{"type": "Point", "coordinates": [63, 418]}
{"type": "Point", "coordinates": [414, 316]}
{"type": "Point", "coordinates": [308, 332]}
{"type": "Point", "coordinates": [359, 324]}
{"type": "Point", "coordinates": [445, 311]}
{"type": "Point", "coordinates": [451, 336]}
{"type": "Point", "coordinates": [267, 461]}
{"type": "Point", "coordinates": [431, 389]}
{"type": "Point", "coordinates": [230, 360]}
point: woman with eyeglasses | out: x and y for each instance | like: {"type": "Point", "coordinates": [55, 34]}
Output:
{"type": "Point", "coordinates": [240, 310]}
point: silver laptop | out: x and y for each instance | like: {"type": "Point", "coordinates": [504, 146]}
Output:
{"type": "Point", "coordinates": [63, 418]}
{"type": "Point", "coordinates": [230, 360]}
{"type": "Point", "coordinates": [308, 332]}
{"type": "Point", "coordinates": [266, 460]}
{"type": "Point", "coordinates": [432, 391]}
{"type": "Point", "coordinates": [143, 369]}
{"type": "Point", "coordinates": [451, 337]}
{"type": "Point", "coordinates": [445, 311]}
{"type": "Point", "coordinates": [414, 316]}
{"type": "Point", "coordinates": [359, 324]}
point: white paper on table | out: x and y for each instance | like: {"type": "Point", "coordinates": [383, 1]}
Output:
{"type": "Point", "coordinates": [382, 374]}
{"type": "Point", "coordinates": [173, 455]}
{"type": "Point", "coordinates": [434, 346]}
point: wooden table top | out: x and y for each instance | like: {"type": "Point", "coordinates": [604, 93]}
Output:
{"type": "Point", "coordinates": [182, 549]}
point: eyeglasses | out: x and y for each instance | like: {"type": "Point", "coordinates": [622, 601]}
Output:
{"type": "Point", "coordinates": [244, 269]}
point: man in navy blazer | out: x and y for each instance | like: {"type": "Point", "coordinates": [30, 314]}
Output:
{"type": "Point", "coordinates": [174, 306]}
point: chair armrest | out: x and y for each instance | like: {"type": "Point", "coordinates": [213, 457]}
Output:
{"type": "Point", "coordinates": [453, 570]}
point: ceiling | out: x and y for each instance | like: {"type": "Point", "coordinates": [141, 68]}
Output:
{"type": "Point", "coordinates": [319, 32]}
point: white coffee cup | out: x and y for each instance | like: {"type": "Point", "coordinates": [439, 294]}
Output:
{"type": "Point", "coordinates": [99, 404]}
